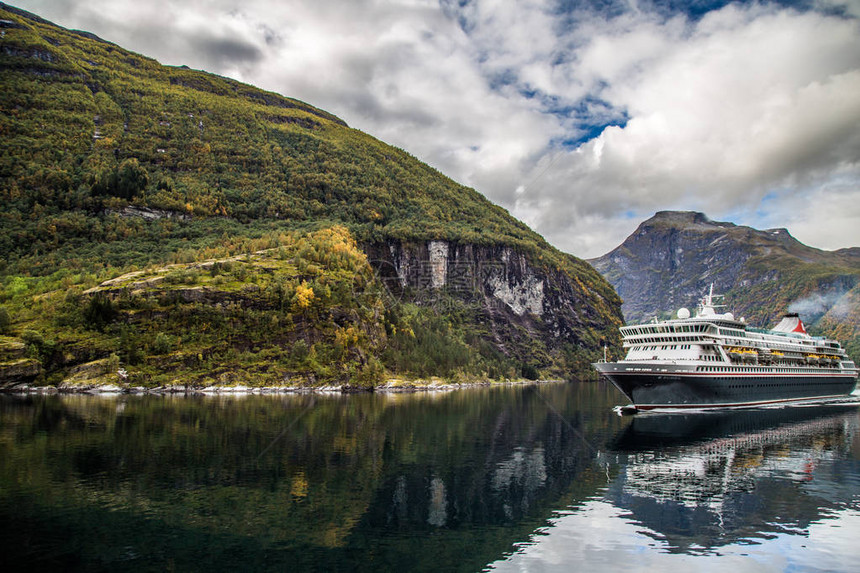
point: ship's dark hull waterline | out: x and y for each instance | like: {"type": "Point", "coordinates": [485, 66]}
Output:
{"type": "Point", "coordinates": [648, 391]}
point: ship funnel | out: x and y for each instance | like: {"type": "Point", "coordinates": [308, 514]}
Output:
{"type": "Point", "coordinates": [791, 323]}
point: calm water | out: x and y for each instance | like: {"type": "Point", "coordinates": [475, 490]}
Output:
{"type": "Point", "coordinates": [538, 478]}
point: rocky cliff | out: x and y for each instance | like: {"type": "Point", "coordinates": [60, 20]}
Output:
{"type": "Point", "coordinates": [531, 312]}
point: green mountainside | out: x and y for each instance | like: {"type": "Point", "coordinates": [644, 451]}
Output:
{"type": "Point", "coordinates": [190, 229]}
{"type": "Point", "coordinates": [672, 258]}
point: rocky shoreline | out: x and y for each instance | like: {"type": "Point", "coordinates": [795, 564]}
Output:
{"type": "Point", "coordinates": [240, 389]}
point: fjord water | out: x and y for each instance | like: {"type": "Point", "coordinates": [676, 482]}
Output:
{"type": "Point", "coordinates": [527, 478]}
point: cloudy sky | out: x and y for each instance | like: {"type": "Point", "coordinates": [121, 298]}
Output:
{"type": "Point", "coordinates": [582, 117]}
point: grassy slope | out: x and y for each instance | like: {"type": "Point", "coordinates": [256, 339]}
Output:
{"type": "Point", "coordinates": [89, 129]}
{"type": "Point", "coordinates": [78, 108]}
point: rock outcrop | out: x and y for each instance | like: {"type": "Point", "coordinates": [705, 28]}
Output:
{"type": "Point", "coordinates": [523, 304]}
{"type": "Point", "coordinates": [15, 368]}
{"type": "Point", "coordinates": [17, 372]}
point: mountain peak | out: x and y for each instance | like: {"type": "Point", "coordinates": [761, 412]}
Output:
{"type": "Point", "coordinates": [683, 220]}
{"type": "Point", "coordinates": [681, 216]}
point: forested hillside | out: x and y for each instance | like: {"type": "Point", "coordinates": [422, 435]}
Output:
{"type": "Point", "coordinates": [323, 254]}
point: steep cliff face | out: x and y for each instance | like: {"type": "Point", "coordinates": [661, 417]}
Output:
{"type": "Point", "coordinates": [531, 312]}
{"type": "Point", "coordinates": [672, 258]}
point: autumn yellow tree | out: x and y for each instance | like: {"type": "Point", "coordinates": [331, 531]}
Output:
{"type": "Point", "coordinates": [303, 298]}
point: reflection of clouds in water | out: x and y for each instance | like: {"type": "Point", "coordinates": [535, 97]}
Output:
{"type": "Point", "coordinates": [835, 539]}
{"type": "Point", "coordinates": [600, 536]}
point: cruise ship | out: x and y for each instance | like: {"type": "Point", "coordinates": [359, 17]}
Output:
{"type": "Point", "coordinates": [713, 359]}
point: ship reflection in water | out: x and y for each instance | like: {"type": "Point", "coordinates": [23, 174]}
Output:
{"type": "Point", "coordinates": [723, 476]}
{"type": "Point", "coordinates": [763, 489]}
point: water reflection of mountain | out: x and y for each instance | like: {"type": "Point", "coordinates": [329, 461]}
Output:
{"type": "Point", "coordinates": [706, 480]}
{"type": "Point", "coordinates": [525, 457]}
{"type": "Point", "coordinates": [420, 482]}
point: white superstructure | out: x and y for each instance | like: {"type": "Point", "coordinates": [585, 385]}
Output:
{"type": "Point", "coordinates": [717, 342]}
{"type": "Point", "coordinates": [713, 359]}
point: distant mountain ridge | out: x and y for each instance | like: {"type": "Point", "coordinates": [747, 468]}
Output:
{"type": "Point", "coordinates": [670, 260]}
